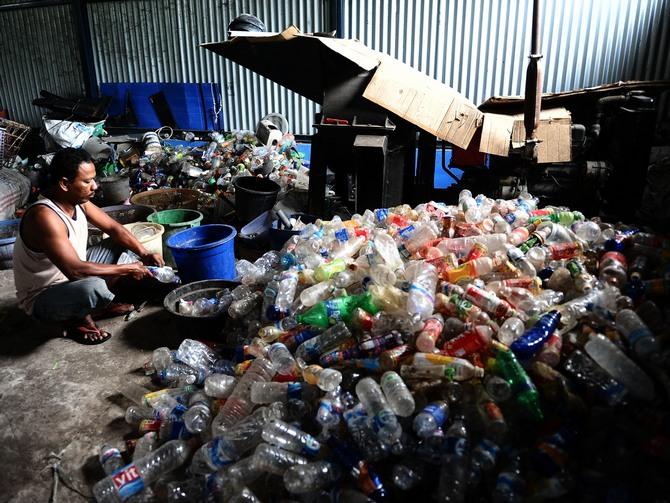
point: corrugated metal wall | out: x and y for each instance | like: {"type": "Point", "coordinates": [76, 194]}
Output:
{"type": "Point", "coordinates": [480, 47]}
{"type": "Point", "coordinates": [476, 46]}
{"type": "Point", "coordinates": [38, 50]}
{"type": "Point", "coordinates": [157, 41]}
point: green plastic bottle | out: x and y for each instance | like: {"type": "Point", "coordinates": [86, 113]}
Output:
{"type": "Point", "coordinates": [507, 366]}
{"type": "Point", "coordinates": [341, 308]}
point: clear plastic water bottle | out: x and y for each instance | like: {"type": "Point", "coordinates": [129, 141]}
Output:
{"type": "Point", "coordinates": [277, 432]}
{"type": "Point", "coordinates": [133, 478]}
{"type": "Point", "coordinates": [316, 293]}
{"type": "Point", "coordinates": [242, 495]}
{"type": "Point", "coordinates": [161, 358]}
{"type": "Point", "coordinates": [431, 418]}
{"type": "Point", "coordinates": [511, 329]}
{"type": "Point", "coordinates": [499, 389]}
{"type": "Point", "coordinates": [219, 385]}
{"type": "Point", "coordinates": [177, 374]}
{"type": "Point", "coordinates": [110, 459]}
{"type": "Point", "coordinates": [384, 422]}
{"type": "Point", "coordinates": [421, 299]}
{"type": "Point", "coordinates": [269, 297]}
{"type": "Point", "coordinates": [594, 378]}
{"type": "Point", "coordinates": [288, 283]}
{"type": "Point", "coordinates": [397, 394]}
{"type": "Point", "coordinates": [196, 354]}
{"type": "Point", "coordinates": [357, 421]}
{"type": "Point", "coordinates": [510, 484]}
{"type": "Point", "coordinates": [272, 459]}
{"type": "Point", "coordinates": [385, 247]}
{"type": "Point", "coordinates": [241, 307]}
{"type": "Point", "coordinates": [281, 358]}
{"type": "Point", "coordinates": [234, 442]}
{"type": "Point", "coordinates": [223, 366]}
{"type": "Point", "coordinates": [145, 444]}
{"type": "Point", "coordinates": [329, 411]}
{"type": "Point", "coordinates": [270, 392]}
{"type": "Point", "coordinates": [301, 479]}
{"type": "Point", "coordinates": [136, 413]}
{"type": "Point", "coordinates": [484, 457]}
{"type": "Point", "coordinates": [520, 260]}
{"type": "Point", "coordinates": [313, 348]}
{"type": "Point", "coordinates": [325, 379]}
{"type": "Point", "coordinates": [243, 471]}
{"type": "Point", "coordinates": [407, 474]}
{"type": "Point", "coordinates": [164, 274]}
{"type": "Point", "coordinates": [636, 333]}
{"type": "Point", "coordinates": [383, 275]}
{"type": "Point", "coordinates": [198, 415]}
{"type": "Point", "coordinates": [454, 467]}
{"type": "Point", "coordinates": [239, 405]}
{"type": "Point", "coordinates": [184, 491]}
{"type": "Point", "coordinates": [620, 367]}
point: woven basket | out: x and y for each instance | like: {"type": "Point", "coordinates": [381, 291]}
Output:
{"type": "Point", "coordinates": [12, 135]}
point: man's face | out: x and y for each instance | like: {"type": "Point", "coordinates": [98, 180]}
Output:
{"type": "Point", "coordinates": [82, 188]}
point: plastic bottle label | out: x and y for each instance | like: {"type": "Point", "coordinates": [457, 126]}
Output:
{"type": "Point", "coordinates": [110, 453]}
{"type": "Point", "coordinates": [381, 214]}
{"type": "Point", "coordinates": [406, 231]}
{"type": "Point", "coordinates": [127, 481]}
{"type": "Point", "coordinates": [455, 446]}
{"type": "Point", "coordinates": [217, 453]}
{"type": "Point", "coordinates": [294, 390]}
{"type": "Point", "coordinates": [342, 235]}
{"type": "Point", "coordinates": [436, 412]}
{"type": "Point", "coordinates": [414, 287]}
{"type": "Point", "coordinates": [311, 447]}
{"type": "Point", "coordinates": [390, 378]}
{"type": "Point", "coordinates": [332, 310]}
{"type": "Point", "coordinates": [382, 419]}
{"type": "Point", "coordinates": [638, 334]}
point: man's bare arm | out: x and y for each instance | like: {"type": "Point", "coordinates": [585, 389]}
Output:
{"type": "Point", "coordinates": [44, 231]}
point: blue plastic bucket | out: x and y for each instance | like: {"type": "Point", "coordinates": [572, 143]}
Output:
{"type": "Point", "coordinates": [204, 252]}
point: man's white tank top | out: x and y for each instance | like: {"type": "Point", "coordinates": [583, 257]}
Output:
{"type": "Point", "coordinates": [33, 271]}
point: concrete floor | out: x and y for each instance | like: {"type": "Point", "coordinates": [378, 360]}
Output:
{"type": "Point", "coordinates": [61, 397]}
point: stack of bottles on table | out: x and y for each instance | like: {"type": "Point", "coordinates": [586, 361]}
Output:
{"type": "Point", "coordinates": [487, 350]}
{"type": "Point", "coordinates": [214, 167]}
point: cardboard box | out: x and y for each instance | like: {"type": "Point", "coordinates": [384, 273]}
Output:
{"type": "Point", "coordinates": [335, 67]}
{"type": "Point", "coordinates": [330, 62]}
{"type": "Point", "coordinates": [553, 133]}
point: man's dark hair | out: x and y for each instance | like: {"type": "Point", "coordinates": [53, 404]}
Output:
{"type": "Point", "coordinates": [65, 163]}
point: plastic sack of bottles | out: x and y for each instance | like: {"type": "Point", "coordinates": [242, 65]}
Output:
{"type": "Point", "coordinates": [490, 350]}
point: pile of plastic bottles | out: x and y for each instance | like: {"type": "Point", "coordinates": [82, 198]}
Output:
{"type": "Point", "coordinates": [489, 350]}
{"type": "Point", "coordinates": [214, 168]}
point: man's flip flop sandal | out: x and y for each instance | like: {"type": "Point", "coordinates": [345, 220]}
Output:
{"type": "Point", "coordinates": [113, 309]}
{"type": "Point", "coordinates": [82, 334]}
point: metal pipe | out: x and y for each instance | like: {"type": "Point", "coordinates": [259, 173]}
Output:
{"type": "Point", "coordinates": [533, 97]}
{"type": "Point", "coordinates": [82, 27]}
